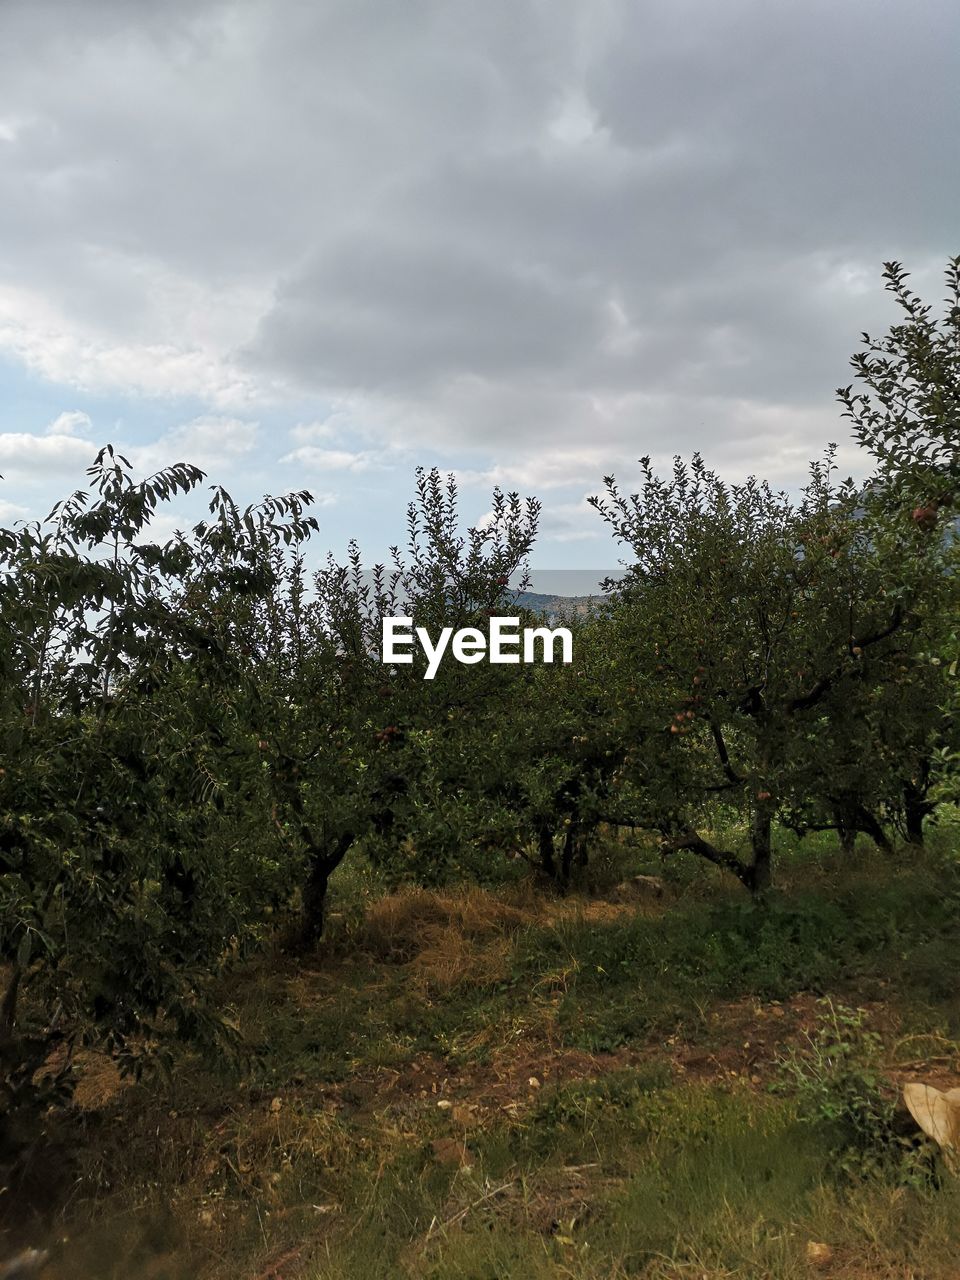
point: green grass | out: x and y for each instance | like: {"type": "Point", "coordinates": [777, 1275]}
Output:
{"type": "Point", "coordinates": [887, 939]}
{"type": "Point", "coordinates": [636, 1162]}
{"type": "Point", "coordinates": [675, 1182]}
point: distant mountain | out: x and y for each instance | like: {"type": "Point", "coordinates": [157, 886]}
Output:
{"type": "Point", "coordinates": [549, 606]}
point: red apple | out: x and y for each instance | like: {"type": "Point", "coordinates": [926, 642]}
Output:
{"type": "Point", "coordinates": [925, 517]}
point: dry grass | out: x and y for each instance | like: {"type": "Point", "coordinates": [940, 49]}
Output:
{"type": "Point", "coordinates": [413, 1117]}
{"type": "Point", "coordinates": [448, 939]}
{"type": "Point", "coordinates": [444, 939]}
{"type": "Point", "coordinates": [404, 924]}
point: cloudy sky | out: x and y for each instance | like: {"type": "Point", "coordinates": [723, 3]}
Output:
{"type": "Point", "coordinates": [314, 244]}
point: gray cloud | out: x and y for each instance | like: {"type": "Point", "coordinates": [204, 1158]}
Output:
{"type": "Point", "coordinates": [404, 315]}
{"type": "Point", "coordinates": [582, 228]}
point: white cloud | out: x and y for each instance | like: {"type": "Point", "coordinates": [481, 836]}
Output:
{"type": "Point", "coordinates": [540, 239]}
{"type": "Point", "coordinates": [11, 510]}
{"type": "Point", "coordinates": [536, 473]}
{"type": "Point", "coordinates": [69, 423]}
{"type": "Point", "coordinates": [10, 129]}
{"type": "Point", "coordinates": [317, 459]}
{"type": "Point", "coordinates": [576, 122]}
{"type": "Point", "coordinates": [311, 432]}
{"type": "Point", "coordinates": [71, 350]}
{"type": "Point", "coordinates": [165, 523]}
{"type": "Point", "coordinates": [206, 442]}
{"type": "Point", "coordinates": [25, 456]}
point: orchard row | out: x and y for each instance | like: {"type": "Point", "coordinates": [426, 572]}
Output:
{"type": "Point", "coordinates": [195, 734]}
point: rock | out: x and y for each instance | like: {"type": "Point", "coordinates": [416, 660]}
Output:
{"type": "Point", "coordinates": [639, 887]}
{"type": "Point", "coordinates": [937, 1114]}
{"type": "Point", "coordinates": [819, 1254]}
{"type": "Point", "coordinates": [28, 1263]}
{"type": "Point", "coordinates": [451, 1152]}
{"type": "Point", "coordinates": [652, 885]}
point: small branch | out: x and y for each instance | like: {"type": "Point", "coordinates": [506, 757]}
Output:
{"type": "Point", "coordinates": [729, 772]}
{"type": "Point", "coordinates": [459, 1217]}
{"type": "Point", "coordinates": [695, 843]}
{"type": "Point", "coordinates": [8, 1007]}
{"type": "Point", "coordinates": [826, 683]}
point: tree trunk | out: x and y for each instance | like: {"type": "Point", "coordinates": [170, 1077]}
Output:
{"type": "Point", "coordinates": [323, 863]}
{"type": "Point", "coordinates": [754, 876]}
{"type": "Point", "coordinates": [871, 827]}
{"type": "Point", "coordinates": [914, 826]}
{"type": "Point", "coordinates": [759, 874]}
{"type": "Point", "coordinates": [915, 809]}
{"type": "Point", "coordinates": [569, 849]}
{"type": "Point", "coordinates": [8, 1009]}
{"type": "Point", "coordinates": [583, 855]}
{"type": "Point", "coordinates": [846, 828]}
{"type": "Point", "coordinates": [547, 859]}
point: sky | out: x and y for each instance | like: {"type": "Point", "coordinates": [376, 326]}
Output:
{"type": "Point", "coordinates": [527, 241]}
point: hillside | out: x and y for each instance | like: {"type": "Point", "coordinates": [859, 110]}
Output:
{"type": "Point", "coordinates": [555, 606]}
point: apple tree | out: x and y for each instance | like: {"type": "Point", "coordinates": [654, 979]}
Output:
{"type": "Point", "coordinates": [747, 623]}
{"type": "Point", "coordinates": [353, 751]}
{"type": "Point", "coordinates": [127, 873]}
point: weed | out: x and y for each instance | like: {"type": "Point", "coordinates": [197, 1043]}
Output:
{"type": "Point", "coordinates": [837, 1077]}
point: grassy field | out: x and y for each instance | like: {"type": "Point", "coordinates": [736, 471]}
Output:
{"type": "Point", "coordinates": [482, 1084]}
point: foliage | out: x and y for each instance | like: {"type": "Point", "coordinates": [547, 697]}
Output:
{"type": "Point", "coordinates": [839, 1081]}
{"type": "Point", "coordinates": [438, 752]}
{"type": "Point", "coordinates": [128, 873]}
{"type": "Point", "coordinates": [197, 733]}
{"type": "Point", "coordinates": [908, 417]}
{"type": "Point", "coordinates": [771, 648]}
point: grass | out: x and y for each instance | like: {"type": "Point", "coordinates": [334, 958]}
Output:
{"type": "Point", "coordinates": [493, 1084]}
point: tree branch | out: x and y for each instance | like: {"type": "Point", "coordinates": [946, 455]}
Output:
{"type": "Point", "coordinates": [695, 843]}
{"type": "Point", "coordinates": [729, 772]}
{"type": "Point", "coordinates": [826, 683]}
